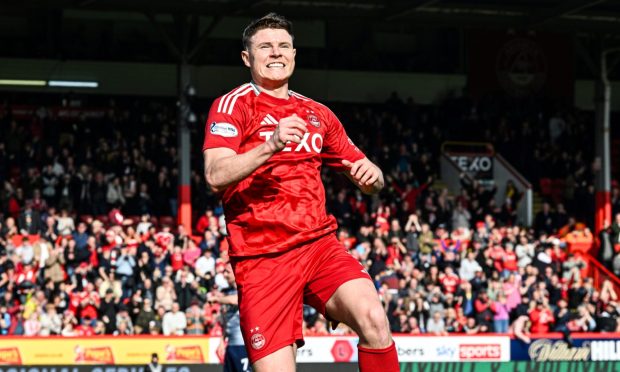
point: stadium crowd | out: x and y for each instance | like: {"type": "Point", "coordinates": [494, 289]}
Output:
{"type": "Point", "coordinates": [89, 244]}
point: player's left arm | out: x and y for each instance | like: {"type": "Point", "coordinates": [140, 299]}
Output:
{"type": "Point", "coordinates": [366, 175]}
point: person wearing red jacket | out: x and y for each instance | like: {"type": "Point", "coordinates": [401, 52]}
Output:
{"type": "Point", "coordinates": [541, 318]}
{"type": "Point", "coordinates": [449, 281]}
{"type": "Point", "coordinates": [509, 261]}
{"type": "Point", "coordinates": [484, 309]}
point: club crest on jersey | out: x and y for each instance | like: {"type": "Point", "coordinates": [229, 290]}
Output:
{"type": "Point", "coordinates": [314, 120]}
{"type": "Point", "coordinates": [257, 340]}
{"type": "Point", "coordinates": [223, 129]}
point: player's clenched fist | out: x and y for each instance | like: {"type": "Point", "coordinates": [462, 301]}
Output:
{"type": "Point", "coordinates": [366, 174]}
{"type": "Point", "coordinates": [289, 129]}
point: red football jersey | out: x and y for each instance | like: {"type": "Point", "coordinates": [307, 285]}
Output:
{"type": "Point", "coordinates": [450, 282]}
{"type": "Point", "coordinates": [282, 203]}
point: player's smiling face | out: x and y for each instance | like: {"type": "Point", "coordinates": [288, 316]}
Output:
{"type": "Point", "coordinates": [271, 57]}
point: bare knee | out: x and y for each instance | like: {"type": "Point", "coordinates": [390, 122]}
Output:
{"type": "Point", "coordinates": [373, 327]}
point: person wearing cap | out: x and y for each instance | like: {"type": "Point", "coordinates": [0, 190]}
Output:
{"type": "Point", "coordinates": [122, 316]}
{"type": "Point", "coordinates": [107, 310]}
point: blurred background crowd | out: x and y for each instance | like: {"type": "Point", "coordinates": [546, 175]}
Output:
{"type": "Point", "coordinates": [89, 242]}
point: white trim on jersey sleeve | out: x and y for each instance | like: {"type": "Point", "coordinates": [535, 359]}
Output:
{"type": "Point", "coordinates": [300, 96]}
{"type": "Point", "coordinates": [240, 94]}
{"type": "Point", "coordinates": [222, 106]}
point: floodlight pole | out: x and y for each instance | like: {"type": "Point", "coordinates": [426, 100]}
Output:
{"type": "Point", "coordinates": [184, 211]}
{"type": "Point", "coordinates": [184, 55]}
{"type": "Point", "coordinates": [602, 145]}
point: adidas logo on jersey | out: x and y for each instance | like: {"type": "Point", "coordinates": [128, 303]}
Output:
{"type": "Point", "coordinates": [269, 120]}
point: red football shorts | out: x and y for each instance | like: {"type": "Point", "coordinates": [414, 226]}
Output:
{"type": "Point", "coordinates": [272, 289]}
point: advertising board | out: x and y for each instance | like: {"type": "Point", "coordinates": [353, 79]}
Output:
{"type": "Point", "coordinates": [102, 350]}
{"type": "Point", "coordinates": [591, 348]}
{"type": "Point", "coordinates": [409, 348]}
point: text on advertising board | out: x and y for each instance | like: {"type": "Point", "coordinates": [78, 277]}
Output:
{"type": "Point", "coordinates": [480, 351]}
{"type": "Point", "coordinates": [548, 350]}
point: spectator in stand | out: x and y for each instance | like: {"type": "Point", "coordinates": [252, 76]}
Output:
{"type": "Point", "coordinates": [68, 329]}
{"type": "Point", "coordinates": [70, 179]}
{"type": "Point", "coordinates": [525, 251]}
{"type": "Point", "coordinates": [449, 280]}
{"type": "Point", "coordinates": [582, 321]}
{"type": "Point", "coordinates": [606, 249]}
{"type": "Point", "coordinates": [544, 220]}
{"type": "Point", "coordinates": [509, 261]}
{"type": "Point", "coordinates": [541, 317]}
{"type": "Point", "coordinates": [469, 266]}
{"type": "Point", "coordinates": [146, 315]}
{"type": "Point", "coordinates": [85, 328]}
{"type": "Point", "coordinates": [426, 241]}
{"type": "Point", "coordinates": [501, 315]}
{"type": "Point", "coordinates": [29, 221]}
{"type": "Point", "coordinates": [166, 294]}
{"type": "Point", "coordinates": [64, 223]}
{"type": "Point", "coordinates": [436, 325]}
{"type": "Point", "coordinates": [471, 327]}
{"type": "Point", "coordinates": [460, 217]}
{"type": "Point", "coordinates": [110, 285]}
{"type": "Point", "coordinates": [195, 319]}
{"type": "Point", "coordinates": [108, 311]}
{"type": "Point", "coordinates": [5, 320]}
{"type": "Point", "coordinates": [125, 269]}
{"type": "Point", "coordinates": [174, 322]}
{"type": "Point", "coordinates": [484, 312]}
{"type": "Point", "coordinates": [205, 264]}
{"type": "Point", "coordinates": [571, 268]}
{"type": "Point", "coordinates": [51, 323]}
{"type": "Point", "coordinates": [114, 194]}
{"type": "Point", "coordinates": [123, 329]}
{"type": "Point", "coordinates": [122, 316]}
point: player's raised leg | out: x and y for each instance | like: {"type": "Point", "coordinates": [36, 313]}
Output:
{"type": "Point", "coordinates": [282, 360]}
{"type": "Point", "coordinates": [356, 304]}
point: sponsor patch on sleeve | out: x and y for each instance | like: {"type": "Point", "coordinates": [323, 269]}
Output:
{"type": "Point", "coordinates": [223, 129]}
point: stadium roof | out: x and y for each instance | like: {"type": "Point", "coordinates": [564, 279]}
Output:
{"type": "Point", "coordinates": [558, 15]}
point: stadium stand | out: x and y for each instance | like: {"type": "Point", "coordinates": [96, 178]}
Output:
{"type": "Point", "coordinates": [89, 243]}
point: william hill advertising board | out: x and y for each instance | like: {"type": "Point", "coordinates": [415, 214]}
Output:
{"type": "Point", "coordinates": [580, 349]}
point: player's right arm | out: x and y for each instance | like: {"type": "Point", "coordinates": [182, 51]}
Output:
{"type": "Point", "coordinates": [224, 166]}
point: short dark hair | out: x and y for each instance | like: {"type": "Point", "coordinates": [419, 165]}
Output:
{"type": "Point", "coordinates": [271, 20]}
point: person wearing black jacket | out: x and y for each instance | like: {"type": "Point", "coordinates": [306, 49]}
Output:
{"type": "Point", "coordinates": [107, 311]}
{"type": "Point", "coordinates": [154, 365]}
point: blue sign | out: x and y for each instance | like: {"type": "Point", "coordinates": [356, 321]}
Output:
{"type": "Point", "coordinates": [578, 349]}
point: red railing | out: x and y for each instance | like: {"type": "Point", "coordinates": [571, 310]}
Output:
{"type": "Point", "coordinates": [600, 273]}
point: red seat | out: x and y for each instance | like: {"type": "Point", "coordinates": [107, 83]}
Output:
{"type": "Point", "coordinates": [167, 221]}
{"type": "Point", "coordinates": [135, 220]}
{"type": "Point", "coordinates": [545, 186]}
{"type": "Point", "coordinates": [558, 186]}
{"type": "Point", "coordinates": [104, 219]}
